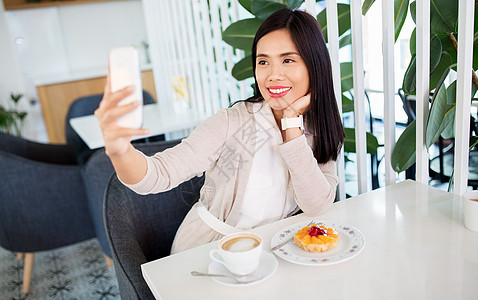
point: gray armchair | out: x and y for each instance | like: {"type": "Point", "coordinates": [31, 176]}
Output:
{"type": "Point", "coordinates": [96, 173]}
{"type": "Point", "coordinates": [43, 202]}
{"type": "Point", "coordinates": [142, 229]}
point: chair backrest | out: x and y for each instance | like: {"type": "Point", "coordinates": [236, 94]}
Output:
{"type": "Point", "coordinates": [96, 173]}
{"type": "Point", "coordinates": [82, 107]}
{"type": "Point", "coordinates": [142, 228]}
{"type": "Point", "coordinates": [42, 204]}
{"type": "Point", "coordinates": [47, 153]}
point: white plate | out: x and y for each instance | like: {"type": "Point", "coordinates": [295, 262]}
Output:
{"type": "Point", "coordinates": [267, 267]}
{"type": "Point", "coordinates": [351, 243]}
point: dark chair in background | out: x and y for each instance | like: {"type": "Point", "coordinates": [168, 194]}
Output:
{"type": "Point", "coordinates": [43, 202]}
{"type": "Point", "coordinates": [96, 173]}
{"type": "Point", "coordinates": [82, 107]}
{"type": "Point", "coordinates": [142, 229]}
{"type": "Point", "coordinates": [442, 165]}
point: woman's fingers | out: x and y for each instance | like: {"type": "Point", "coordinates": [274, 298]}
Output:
{"type": "Point", "coordinates": [120, 132]}
{"type": "Point", "coordinates": [115, 112]}
{"type": "Point", "coordinates": [298, 107]}
{"type": "Point", "coordinates": [113, 98]}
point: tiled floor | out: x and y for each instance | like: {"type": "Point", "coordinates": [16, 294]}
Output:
{"type": "Point", "coordinates": [74, 272]}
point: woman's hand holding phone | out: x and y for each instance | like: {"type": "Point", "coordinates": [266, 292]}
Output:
{"type": "Point", "coordinates": [117, 139]}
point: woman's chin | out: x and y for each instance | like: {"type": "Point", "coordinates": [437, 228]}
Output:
{"type": "Point", "coordinates": [277, 103]}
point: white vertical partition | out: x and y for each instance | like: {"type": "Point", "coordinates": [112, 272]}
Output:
{"type": "Point", "coordinates": [422, 90]}
{"type": "Point", "coordinates": [333, 40]}
{"type": "Point", "coordinates": [226, 17]}
{"type": "Point", "coordinates": [359, 95]}
{"type": "Point", "coordinates": [201, 54]}
{"type": "Point", "coordinates": [212, 74]}
{"type": "Point", "coordinates": [191, 53]}
{"type": "Point", "coordinates": [388, 40]}
{"type": "Point", "coordinates": [310, 7]}
{"type": "Point", "coordinates": [463, 93]}
{"type": "Point", "coordinates": [219, 52]}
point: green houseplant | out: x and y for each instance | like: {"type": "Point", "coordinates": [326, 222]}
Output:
{"type": "Point", "coordinates": [443, 59]}
{"type": "Point", "coordinates": [11, 120]}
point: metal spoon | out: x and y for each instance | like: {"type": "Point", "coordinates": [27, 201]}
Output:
{"type": "Point", "coordinates": [240, 279]}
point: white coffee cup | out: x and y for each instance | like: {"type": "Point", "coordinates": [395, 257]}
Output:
{"type": "Point", "coordinates": [240, 252]}
{"type": "Point", "coordinates": [470, 208]}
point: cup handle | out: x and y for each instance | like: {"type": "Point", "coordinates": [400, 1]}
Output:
{"type": "Point", "coordinates": [215, 257]}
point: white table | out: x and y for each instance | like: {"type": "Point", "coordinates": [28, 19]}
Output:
{"type": "Point", "coordinates": [416, 248]}
{"type": "Point", "coordinates": [159, 117]}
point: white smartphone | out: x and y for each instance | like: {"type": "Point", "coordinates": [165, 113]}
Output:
{"type": "Point", "coordinates": [124, 71]}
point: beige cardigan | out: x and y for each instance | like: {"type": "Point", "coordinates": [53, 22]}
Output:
{"type": "Point", "coordinates": [224, 146]}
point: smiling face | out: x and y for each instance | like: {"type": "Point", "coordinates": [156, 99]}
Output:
{"type": "Point", "coordinates": [281, 74]}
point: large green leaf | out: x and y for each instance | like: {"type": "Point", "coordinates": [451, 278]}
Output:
{"type": "Point", "coordinates": [400, 9]}
{"type": "Point", "coordinates": [243, 69]}
{"type": "Point", "coordinates": [366, 6]}
{"type": "Point", "coordinates": [346, 76]}
{"type": "Point", "coordinates": [448, 47]}
{"type": "Point", "coordinates": [343, 13]}
{"type": "Point", "coordinates": [475, 48]}
{"type": "Point", "coordinates": [435, 52]}
{"type": "Point", "coordinates": [449, 130]}
{"type": "Point", "coordinates": [436, 48]}
{"type": "Point", "coordinates": [403, 154]}
{"type": "Point", "coordinates": [438, 118]}
{"type": "Point", "coordinates": [413, 42]}
{"type": "Point", "coordinates": [473, 142]}
{"type": "Point", "coordinates": [294, 4]}
{"type": "Point", "coordinates": [443, 68]}
{"type": "Point", "coordinates": [443, 16]}
{"type": "Point", "coordinates": [413, 11]}
{"type": "Point", "coordinates": [347, 104]}
{"type": "Point", "coordinates": [262, 9]}
{"type": "Point", "coordinates": [246, 4]}
{"type": "Point", "coordinates": [345, 40]}
{"type": "Point", "coordinates": [241, 33]}
{"type": "Point", "coordinates": [349, 142]}
{"type": "Point", "coordinates": [409, 79]}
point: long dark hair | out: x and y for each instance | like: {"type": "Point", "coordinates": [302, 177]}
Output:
{"type": "Point", "coordinates": [323, 118]}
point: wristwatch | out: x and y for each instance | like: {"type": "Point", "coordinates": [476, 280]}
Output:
{"type": "Point", "coordinates": [292, 123]}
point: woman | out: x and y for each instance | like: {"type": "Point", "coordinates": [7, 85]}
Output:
{"type": "Point", "coordinates": [261, 164]}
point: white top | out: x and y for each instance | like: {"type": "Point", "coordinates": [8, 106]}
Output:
{"type": "Point", "coordinates": [265, 197]}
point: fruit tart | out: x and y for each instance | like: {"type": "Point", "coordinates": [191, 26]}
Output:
{"type": "Point", "coordinates": [316, 238]}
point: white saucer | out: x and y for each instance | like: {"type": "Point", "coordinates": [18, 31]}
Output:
{"type": "Point", "coordinates": [267, 267]}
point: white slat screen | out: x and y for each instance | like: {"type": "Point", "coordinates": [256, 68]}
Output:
{"type": "Point", "coordinates": [188, 54]}
{"type": "Point", "coordinates": [388, 34]}
{"type": "Point", "coordinates": [423, 78]}
{"type": "Point", "coordinates": [466, 11]}
{"type": "Point", "coordinates": [333, 39]}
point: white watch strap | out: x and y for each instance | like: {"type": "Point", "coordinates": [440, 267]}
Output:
{"type": "Point", "coordinates": [292, 122]}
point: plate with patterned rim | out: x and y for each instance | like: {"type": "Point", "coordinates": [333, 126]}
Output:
{"type": "Point", "coordinates": [351, 243]}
